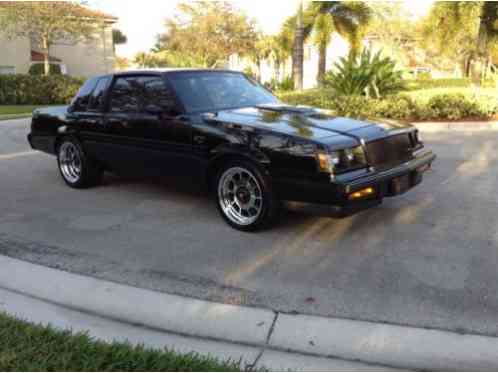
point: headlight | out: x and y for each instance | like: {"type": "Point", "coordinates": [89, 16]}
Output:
{"type": "Point", "coordinates": [341, 160]}
{"type": "Point", "coordinates": [327, 162]}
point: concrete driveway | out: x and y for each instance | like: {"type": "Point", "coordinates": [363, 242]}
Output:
{"type": "Point", "coordinates": [428, 258]}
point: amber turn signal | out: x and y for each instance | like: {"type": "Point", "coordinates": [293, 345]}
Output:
{"type": "Point", "coordinates": [362, 193]}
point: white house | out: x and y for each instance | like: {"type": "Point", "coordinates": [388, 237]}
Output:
{"type": "Point", "coordinates": [82, 59]}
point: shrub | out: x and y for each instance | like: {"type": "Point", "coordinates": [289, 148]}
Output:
{"type": "Point", "coordinates": [452, 106]}
{"type": "Point", "coordinates": [287, 84]}
{"type": "Point", "coordinates": [368, 74]}
{"type": "Point", "coordinates": [416, 84]}
{"type": "Point", "coordinates": [38, 90]}
{"type": "Point", "coordinates": [39, 69]}
{"type": "Point", "coordinates": [445, 106]}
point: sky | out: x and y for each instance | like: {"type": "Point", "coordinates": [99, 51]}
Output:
{"type": "Point", "coordinates": [142, 20]}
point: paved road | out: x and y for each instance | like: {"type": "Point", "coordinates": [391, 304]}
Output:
{"type": "Point", "coordinates": [428, 258]}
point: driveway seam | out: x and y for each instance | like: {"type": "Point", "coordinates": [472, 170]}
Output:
{"type": "Point", "coordinates": [267, 342]}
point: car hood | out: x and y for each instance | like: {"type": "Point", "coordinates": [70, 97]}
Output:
{"type": "Point", "coordinates": [309, 123]}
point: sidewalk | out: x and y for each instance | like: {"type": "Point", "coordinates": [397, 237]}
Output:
{"type": "Point", "coordinates": [260, 337]}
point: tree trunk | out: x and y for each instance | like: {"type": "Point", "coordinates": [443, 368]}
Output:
{"type": "Point", "coordinates": [482, 51]}
{"type": "Point", "coordinates": [46, 56]}
{"type": "Point", "coordinates": [298, 52]}
{"type": "Point", "coordinates": [258, 64]}
{"type": "Point", "coordinates": [468, 64]}
{"type": "Point", "coordinates": [322, 63]}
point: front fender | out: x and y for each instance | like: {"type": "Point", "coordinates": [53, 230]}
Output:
{"type": "Point", "coordinates": [236, 150]}
{"type": "Point", "coordinates": [224, 153]}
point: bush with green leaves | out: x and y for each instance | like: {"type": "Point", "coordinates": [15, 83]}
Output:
{"type": "Point", "coordinates": [418, 84]}
{"type": "Point", "coordinates": [23, 89]}
{"type": "Point", "coordinates": [39, 69]}
{"type": "Point", "coordinates": [286, 84]}
{"type": "Point", "coordinates": [369, 74]}
{"type": "Point", "coordinates": [440, 106]}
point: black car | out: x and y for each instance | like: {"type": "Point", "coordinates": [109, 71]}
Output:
{"type": "Point", "coordinates": [222, 128]}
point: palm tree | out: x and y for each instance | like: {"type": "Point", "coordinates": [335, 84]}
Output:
{"type": "Point", "coordinates": [298, 50]}
{"type": "Point", "coordinates": [263, 49]}
{"type": "Point", "coordinates": [323, 33]}
{"type": "Point", "coordinates": [348, 18]}
{"type": "Point", "coordinates": [295, 31]}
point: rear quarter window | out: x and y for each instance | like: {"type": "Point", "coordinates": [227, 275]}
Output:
{"type": "Point", "coordinates": [96, 101]}
{"type": "Point", "coordinates": [82, 98]}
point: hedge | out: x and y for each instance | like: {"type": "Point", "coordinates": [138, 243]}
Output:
{"type": "Point", "coordinates": [416, 84]}
{"type": "Point", "coordinates": [39, 69]}
{"type": "Point", "coordinates": [38, 90]}
{"type": "Point", "coordinates": [418, 106]}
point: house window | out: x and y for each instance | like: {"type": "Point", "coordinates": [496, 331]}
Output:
{"type": "Point", "coordinates": [6, 70]}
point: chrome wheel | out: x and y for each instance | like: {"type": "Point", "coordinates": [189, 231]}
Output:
{"type": "Point", "coordinates": [240, 196]}
{"type": "Point", "coordinates": [70, 162]}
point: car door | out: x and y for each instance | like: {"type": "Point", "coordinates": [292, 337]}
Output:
{"type": "Point", "coordinates": [148, 134]}
{"type": "Point", "coordinates": [87, 111]}
{"type": "Point", "coordinates": [78, 113]}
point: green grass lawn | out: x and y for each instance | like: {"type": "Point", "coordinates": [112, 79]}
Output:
{"type": "Point", "coordinates": [28, 347]}
{"type": "Point", "coordinates": [16, 111]}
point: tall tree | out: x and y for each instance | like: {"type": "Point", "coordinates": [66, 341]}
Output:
{"type": "Point", "coordinates": [208, 31]}
{"type": "Point", "coordinates": [146, 60]}
{"type": "Point", "coordinates": [48, 23]}
{"type": "Point", "coordinates": [118, 37]}
{"type": "Point", "coordinates": [350, 19]}
{"type": "Point", "coordinates": [463, 30]}
{"type": "Point", "coordinates": [323, 34]}
{"type": "Point", "coordinates": [396, 31]}
{"type": "Point", "coordinates": [487, 34]}
{"type": "Point", "coordinates": [263, 48]}
{"type": "Point", "coordinates": [298, 50]}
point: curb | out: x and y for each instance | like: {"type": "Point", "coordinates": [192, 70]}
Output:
{"type": "Point", "coordinates": [456, 126]}
{"type": "Point", "coordinates": [366, 342]}
{"type": "Point", "coordinates": [138, 306]}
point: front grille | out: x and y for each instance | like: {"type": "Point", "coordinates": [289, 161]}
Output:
{"type": "Point", "coordinates": [389, 151]}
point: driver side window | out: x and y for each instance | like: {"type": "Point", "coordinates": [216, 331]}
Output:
{"type": "Point", "coordinates": [155, 93]}
{"type": "Point", "coordinates": [124, 96]}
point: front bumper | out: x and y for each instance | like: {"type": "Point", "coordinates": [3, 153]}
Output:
{"type": "Point", "coordinates": [349, 185]}
{"type": "Point", "coordinates": [382, 183]}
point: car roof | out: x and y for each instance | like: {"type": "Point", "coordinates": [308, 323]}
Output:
{"type": "Point", "coordinates": [171, 70]}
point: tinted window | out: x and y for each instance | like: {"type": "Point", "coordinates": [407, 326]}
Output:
{"type": "Point", "coordinates": [82, 98]}
{"type": "Point", "coordinates": [155, 93]}
{"type": "Point", "coordinates": [209, 91]}
{"type": "Point", "coordinates": [96, 101]}
{"type": "Point", "coordinates": [125, 95]}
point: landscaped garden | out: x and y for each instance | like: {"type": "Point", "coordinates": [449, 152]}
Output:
{"type": "Point", "coordinates": [445, 99]}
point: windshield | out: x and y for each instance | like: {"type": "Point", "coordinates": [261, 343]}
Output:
{"type": "Point", "coordinates": [214, 91]}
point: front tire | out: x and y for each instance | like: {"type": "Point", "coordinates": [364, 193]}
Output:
{"type": "Point", "coordinates": [77, 170]}
{"type": "Point", "coordinates": [244, 196]}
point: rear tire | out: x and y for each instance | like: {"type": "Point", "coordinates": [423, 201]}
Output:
{"type": "Point", "coordinates": [77, 170]}
{"type": "Point", "coordinates": [244, 196]}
